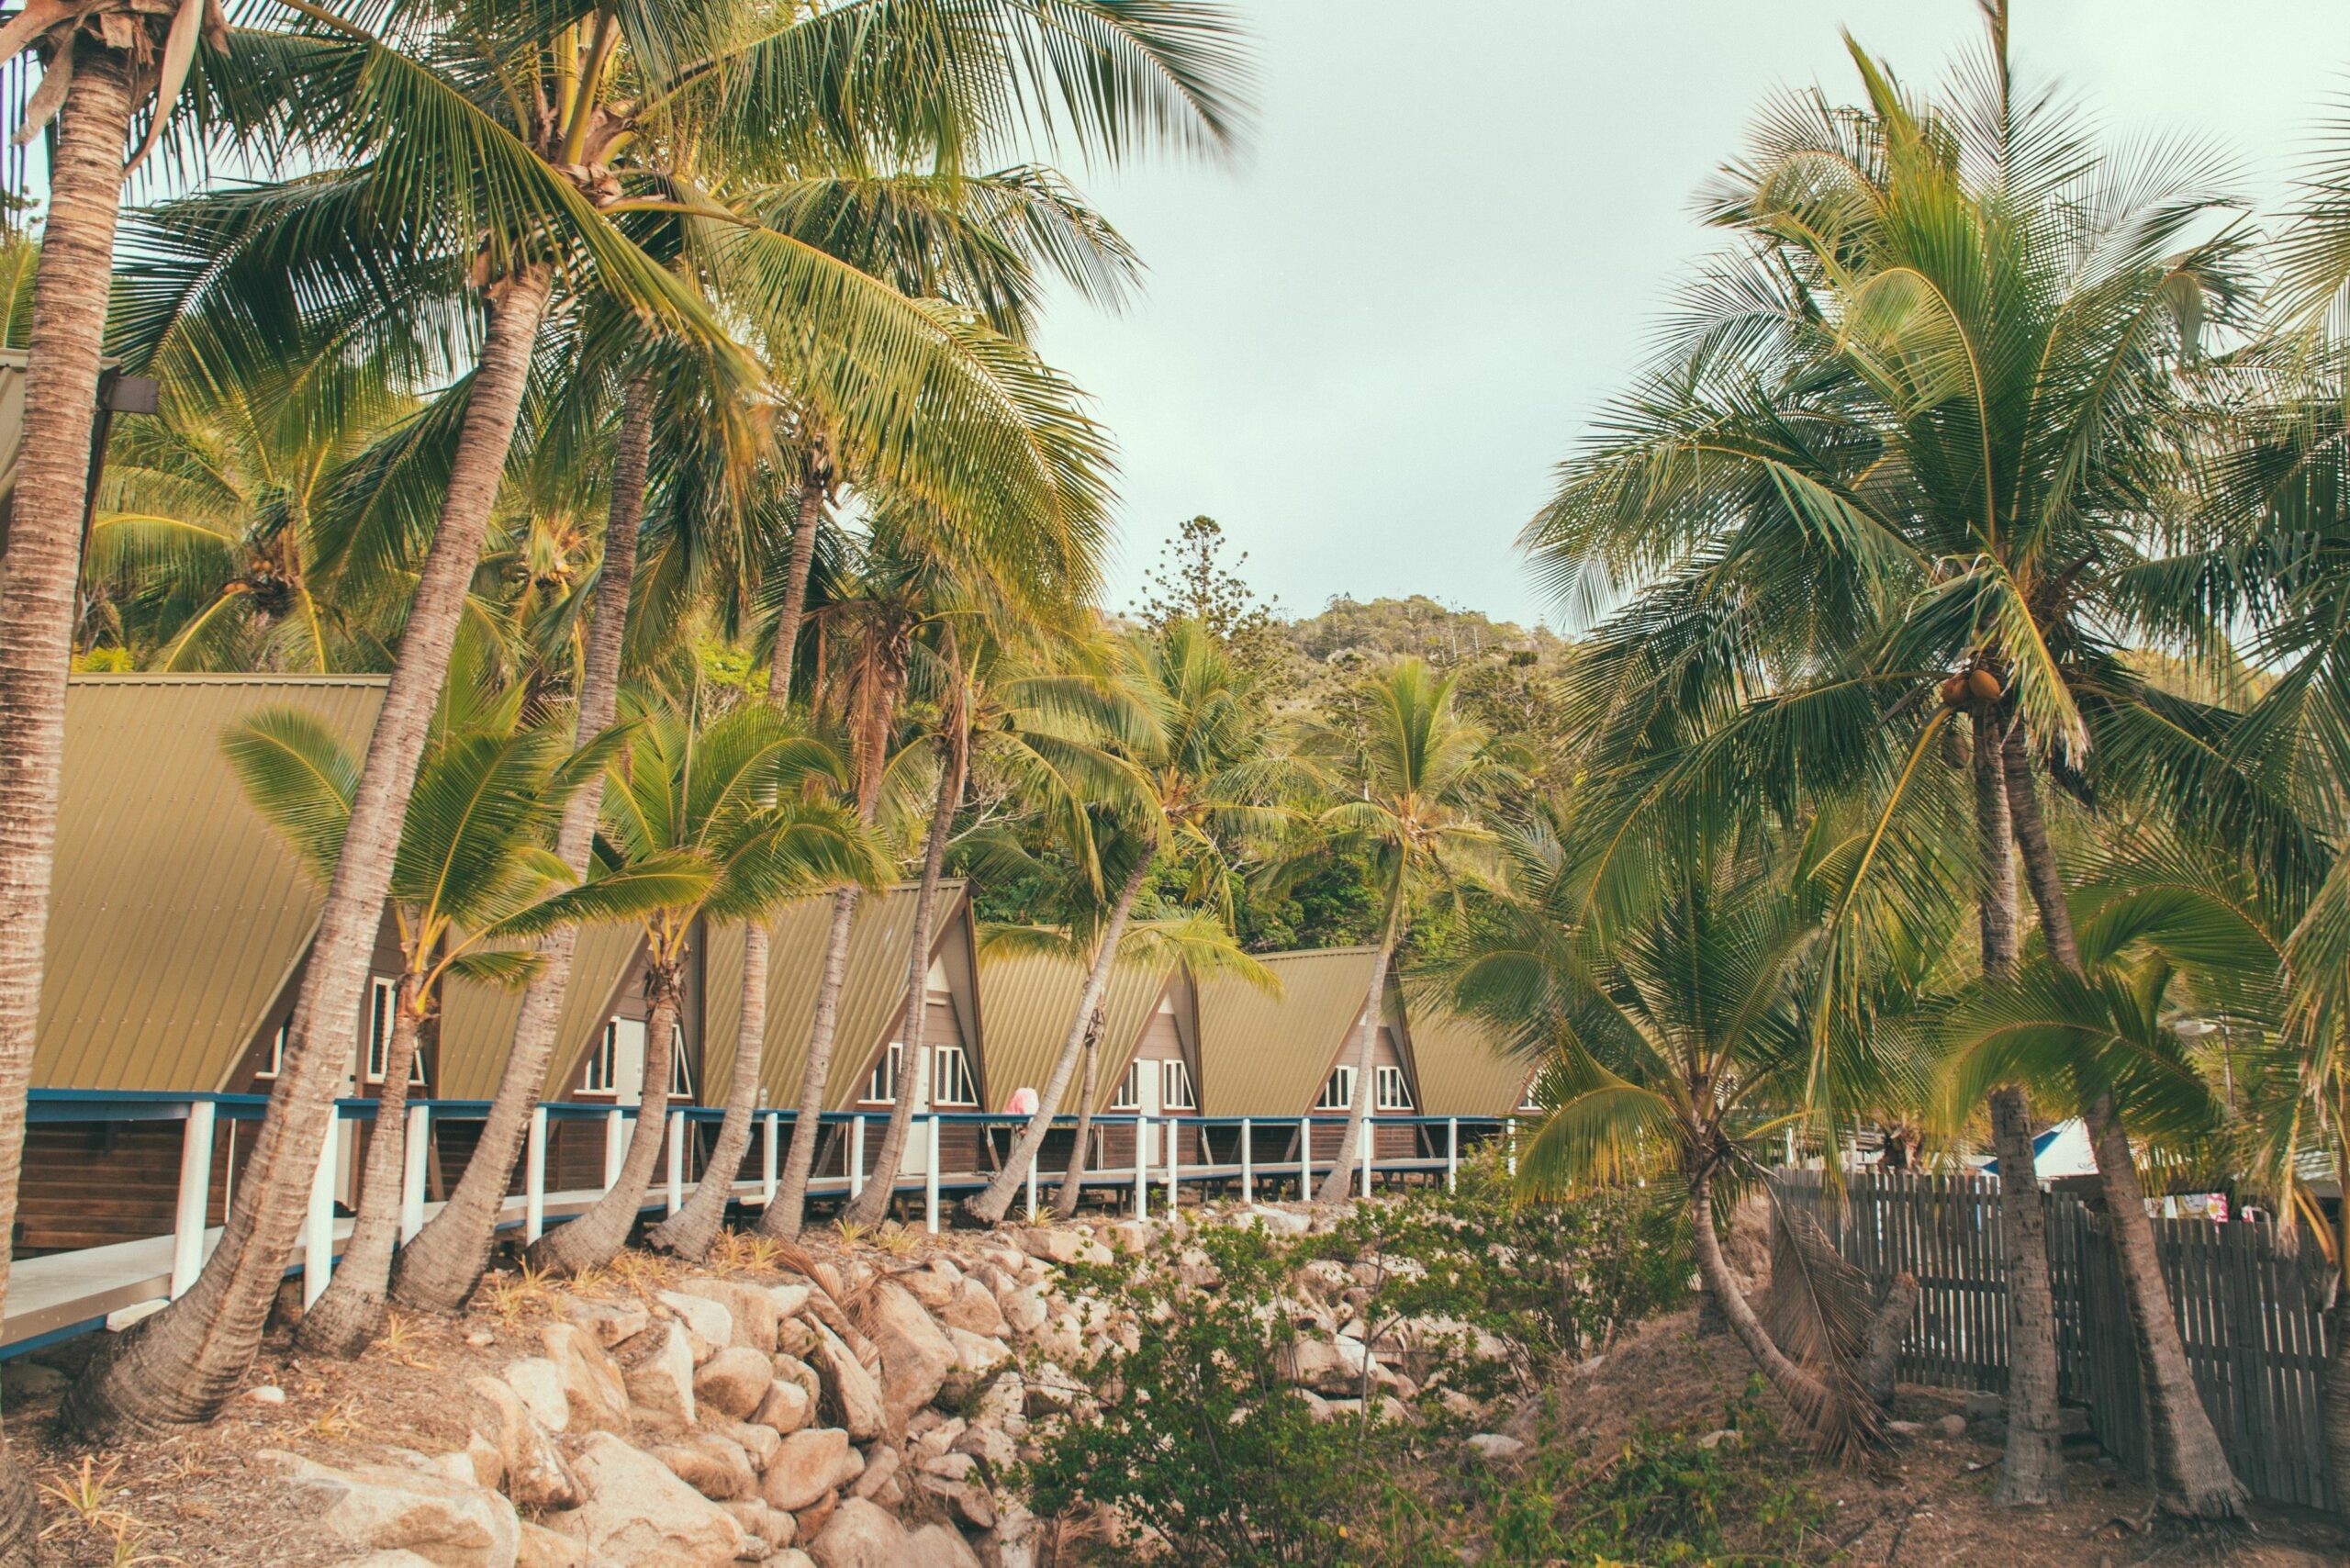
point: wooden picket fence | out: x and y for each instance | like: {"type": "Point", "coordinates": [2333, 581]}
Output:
{"type": "Point", "coordinates": [2252, 1314]}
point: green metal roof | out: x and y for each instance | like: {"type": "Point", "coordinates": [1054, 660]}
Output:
{"type": "Point", "coordinates": [477, 1021]}
{"type": "Point", "coordinates": [1266, 1056]}
{"type": "Point", "coordinates": [1462, 1072]}
{"type": "Point", "coordinates": [1029, 1001]}
{"type": "Point", "coordinates": [177, 915]}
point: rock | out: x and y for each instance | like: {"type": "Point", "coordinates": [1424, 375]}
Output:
{"type": "Point", "coordinates": [809, 1520]}
{"type": "Point", "coordinates": [755, 1313]}
{"type": "Point", "coordinates": [1052, 1244]}
{"type": "Point", "coordinates": [916, 1354]}
{"type": "Point", "coordinates": [808, 1466]}
{"type": "Point", "coordinates": [975, 1359]}
{"type": "Point", "coordinates": [790, 1301]}
{"type": "Point", "coordinates": [860, 1535]}
{"type": "Point", "coordinates": [481, 1338]}
{"type": "Point", "coordinates": [608, 1322]}
{"type": "Point", "coordinates": [715, 1466]}
{"type": "Point", "coordinates": [540, 1386]}
{"type": "Point", "coordinates": [1013, 1542]}
{"type": "Point", "coordinates": [1985, 1407]}
{"type": "Point", "coordinates": [1718, 1437]}
{"type": "Point", "coordinates": [1952, 1426]}
{"type": "Point", "coordinates": [991, 1445]}
{"type": "Point", "coordinates": [1905, 1428]}
{"type": "Point", "coordinates": [1024, 1310]}
{"type": "Point", "coordinates": [791, 1369]}
{"type": "Point", "coordinates": [542, 1547]}
{"type": "Point", "coordinates": [709, 1321]}
{"type": "Point", "coordinates": [264, 1393]}
{"type": "Point", "coordinates": [658, 1368]}
{"type": "Point", "coordinates": [759, 1442]}
{"type": "Point", "coordinates": [936, 1546]}
{"type": "Point", "coordinates": [23, 1381]}
{"type": "Point", "coordinates": [1127, 1236]}
{"type": "Point", "coordinates": [592, 1388]}
{"type": "Point", "coordinates": [385, 1560]}
{"type": "Point", "coordinates": [639, 1513]}
{"type": "Point", "coordinates": [790, 1559]}
{"type": "Point", "coordinates": [1494, 1447]}
{"type": "Point", "coordinates": [1322, 1278]}
{"type": "Point", "coordinates": [881, 1468]}
{"type": "Point", "coordinates": [786, 1408]}
{"type": "Point", "coordinates": [970, 1503]}
{"type": "Point", "coordinates": [795, 1338]}
{"type": "Point", "coordinates": [935, 1286]}
{"type": "Point", "coordinates": [734, 1381]}
{"type": "Point", "coordinates": [1276, 1222]}
{"type": "Point", "coordinates": [1337, 1365]}
{"type": "Point", "coordinates": [535, 1472]}
{"type": "Point", "coordinates": [851, 1395]}
{"type": "Point", "coordinates": [377, 1507]}
{"type": "Point", "coordinates": [973, 1309]}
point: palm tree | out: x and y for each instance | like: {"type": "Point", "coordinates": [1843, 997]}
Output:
{"type": "Point", "coordinates": [471, 876]}
{"type": "Point", "coordinates": [1919, 435]}
{"type": "Point", "coordinates": [719, 810]}
{"type": "Point", "coordinates": [1415, 775]}
{"type": "Point", "coordinates": [1172, 749]}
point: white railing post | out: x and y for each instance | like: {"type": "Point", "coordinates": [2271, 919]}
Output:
{"type": "Point", "coordinates": [767, 1158]}
{"type": "Point", "coordinates": [1512, 1146]}
{"type": "Point", "coordinates": [418, 1148]}
{"type": "Point", "coordinates": [534, 1178]}
{"type": "Point", "coordinates": [1032, 1173]}
{"type": "Point", "coordinates": [615, 1146]}
{"type": "Point", "coordinates": [1370, 1126]}
{"type": "Point", "coordinates": [1247, 1166]}
{"type": "Point", "coordinates": [1174, 1158]}
{"type": "Point", "coordinates": [1451, 1153]}
{"type": "Point", "coordinates": [1305, 1160]}
{"type": "Point", "coordinates": [676, 1161]}
{"type": "Point", "coordinates": [855, 1155]}
{"type": "Point", "coordinates": [195, 1203]}
{"type": "Point", "coordinates": [1142, 1167]}
{"type": "Point", "coordinates": [317, 1229]}
{"type": "Point", "coordinates": [930, 1178]}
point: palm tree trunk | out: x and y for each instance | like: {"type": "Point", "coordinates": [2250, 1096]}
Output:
{"type": "Point", "coordinates": [2336, 1412]}
{"type": "Point", "coordinates": [184, 1362]}
{"type": "Point", "coordinates": [1342, 1171]}
{"type": "Point", "coordinates": [2192, 1476]}
{"type": "Point", "coordinates": [693, 1229]}
{"type": "Point", "coordinates": [2034, 1470]}
{"type": "Point", "coordinates": [1798, 1388]}
{"type": "Point", "coordinates": [37, 587]}
{"type": "Point", "coordinates": [439, 1267]}
{"type": "Point", "coordinates": [995, 1200]}
{"type": "Point", "coordinates": [869, 1207]}
{"type": "Point", "coordinates": [1072, 1185]}
{"type": "Point", "coordinates": [784, 1215]}
{"type": "Point", "coordinates": [596, 1237]}
{"type": "Point", "coordinates": [350, 1316]}
{"type": "Point", "coordinates": [801, 561]}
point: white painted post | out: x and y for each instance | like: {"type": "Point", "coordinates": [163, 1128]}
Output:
{"type": "Point", "coordinates": [676, 1161]}
{"type": "Point", "coordinates": [1174, 1157]}
{"type": "Point", "coordinates": [1305, 1160]}
{"type": "Point", "coordinates": [1142, 1167]}
{"type": "Point", "coordinates": [1369, 1128]}
{"type": "Point", "coordinates": [1032, 1176]}
{"type": "Point", "coordinates": [1512, 1146]}
{"type": "Point", "coordinates": [418, 1145]}
{"type": "Point", "coordinates": [318, 1229]}
{"type": "Point", "coordinates": [194, 1197]}
{"type": "Point", "coordinates": [767, 1158]}
{"type": "Point", "coordinates": [855, 1155]}
{"type": "Point", "coordinates": [930, 1179]}
{"type": "Point", "coordinates": [534, 1179]}
{"type": "Point", "coordinates": [615, 1146]}
{"type": "Point", "coordinates": [1451, 1154]}
{"type": "Point", "coordinates": [1247, 1166]}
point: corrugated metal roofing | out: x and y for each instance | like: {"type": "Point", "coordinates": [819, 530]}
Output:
{"type": "Point", "coordinates": [477, 1021]}
{"type": "Point", "coordinates": [1028, 1002]}
{"type": "Point", "coordinates": [1463, 1072]}
{"type": "Point", "coordinates": [177, 913]}
{"type": "Point", "coordinates": [1265, 1056]}
{"type": "Point", "coordinates": [871, 997]}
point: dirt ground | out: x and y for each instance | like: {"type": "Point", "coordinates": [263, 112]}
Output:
{"type": "Point", "coordinates": [1928, 1505]}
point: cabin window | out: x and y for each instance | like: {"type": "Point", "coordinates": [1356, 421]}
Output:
{"type": "Point", "coordinates": [1129, 1095]}
{"type": "Point", "coordinates": [1394, 1093]}
{"type": "Point", "coordinates": [604, 1062]}
{"type": "Point", "coordinates": [1175, 1080]}
{"type": "Point", "coordinates": [681, 1078]}
{"type": "Point", "coordinates": [1337, 1091]}
{"type": "Point", "coordinates": [1532, 1099]}
{"type": "Point", "coordinates": [616, 1064]}
{"type": "Point", "coordinates": [275, 1060]}
{"type": "Point", "coordinates": [881, 1088]}
{"type": "Point", "coordinates": [951, 1082]}
{"type": "Point", "coordinates": [383, 1000]}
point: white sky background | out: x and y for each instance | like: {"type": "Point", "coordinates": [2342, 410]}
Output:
{"type": "Point", "coordinates": [1364, 349]}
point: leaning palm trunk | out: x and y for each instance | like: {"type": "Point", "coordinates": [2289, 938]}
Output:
{"type": "Point", "coordinates": [1072, 1185]}
{"type": "Point", "coordinates": [1335, 1185]}
{"type": "Point", "coordinates": [1805, 1392]}
{"type": "Point", "coordinates": [182, 1363]}
{"type": "Point", "coordinates": [350, 1316]}
{"type": "Point", "coordinates": [442, 1263]}
{"type": "Point", "coordinates": [693, 1229]}
{"type": "Point", "coordinates": [784, 1215]}
{"type": "Point", "coordinates": [2336, 1409]}
{"type": "Point", "coordinates": [795, 570]}
{"type": "Point", "coordinates": [870, 1204]}
{"type": "Point", "coordinates": [2034, 1472]}
{"type": "Point", "coordinates": [995, 1201]}
{"type": "Point", "coordinates": [37, 603]}
{"type": "Point", "coordinates": [2192, 1476]}
{"type": "Point", "coordinates": [596, 1237]}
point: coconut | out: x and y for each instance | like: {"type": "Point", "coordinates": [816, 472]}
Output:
{"type": "Point", "coordinates": [1983, 684]}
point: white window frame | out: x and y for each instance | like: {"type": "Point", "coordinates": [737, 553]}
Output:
{"type": "Point", "coordinates": [1391, 1091]}
{"type": "Point", "coordinates": [273, 1062]}
{"type": "Point", "coordinates": [1175, 1085]}
{"type": "Point", "coordinates": [952, 1083]}
{"type": "Point", "coordinates": [1532, 1099]}
{"type": "Point", "coordinates": [1338, 1089]}
{"type": "Point", "coordinates": [681, 1078]}
{"type": "Point", "coordinates": [881, 1083]}
{"type": "Point", "coordinates": [1128, 1096]}
{"type": "Point", "coordinates": [375, 1040]}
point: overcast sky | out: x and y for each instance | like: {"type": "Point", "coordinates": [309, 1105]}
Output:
{"type": "Point", "coordinates": [1364, 349]}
